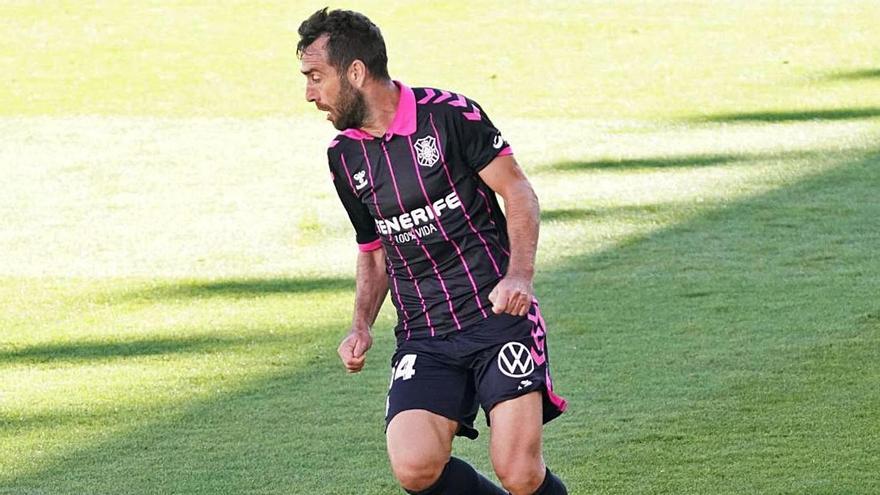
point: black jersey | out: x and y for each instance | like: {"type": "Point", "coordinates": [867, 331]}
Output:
{"type": "Point", "coordinates": [416, 192]}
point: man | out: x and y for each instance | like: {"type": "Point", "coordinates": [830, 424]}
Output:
{"type": "Point", "coordinates": [417, 171]}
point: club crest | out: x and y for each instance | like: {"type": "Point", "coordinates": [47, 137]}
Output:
{"type": "Point", "coordinates": [426, 151]}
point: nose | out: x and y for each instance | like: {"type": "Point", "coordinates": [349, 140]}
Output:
{"type": "Point", "coordinates": [311, 94]}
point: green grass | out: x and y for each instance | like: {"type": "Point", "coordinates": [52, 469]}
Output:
{"type": "Point", "coordinates": [577, 59]}
{"type": "Point", "coordinates": [176, 271]}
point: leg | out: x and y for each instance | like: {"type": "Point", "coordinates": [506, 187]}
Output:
{"type": "Point", "coordinates": [514, 387]}
{"type": "Point", "coordinates": [419, 446]}
{"type": "Point", "coordinates": [515, 445]}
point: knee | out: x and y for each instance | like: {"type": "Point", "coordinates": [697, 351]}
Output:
{"type": "Point", "coordinates": [417, 472]}
{"type": "Point", "coordinates": [521, 477]}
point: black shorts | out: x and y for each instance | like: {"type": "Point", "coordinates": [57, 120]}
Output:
{"type": "Point", "coordinates": [499, 358]}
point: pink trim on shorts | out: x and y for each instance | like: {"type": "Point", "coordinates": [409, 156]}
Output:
{"type": "Point", "coordinates": [539, 334]}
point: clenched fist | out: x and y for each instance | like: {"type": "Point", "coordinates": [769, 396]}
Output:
{"type": "Point", "coordinates": [353, 349]}
{"type": "Point", "coordinates": [512, 295]}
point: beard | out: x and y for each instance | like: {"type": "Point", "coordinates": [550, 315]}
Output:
{"type": "Point", "coordinates": [352, 107]}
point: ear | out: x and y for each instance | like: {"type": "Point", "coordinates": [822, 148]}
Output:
{"type": "Point", "coordinates": [357, 74]}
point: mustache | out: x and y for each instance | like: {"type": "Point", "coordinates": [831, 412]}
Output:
{"type": "Point", "coordinates": [322, 108]}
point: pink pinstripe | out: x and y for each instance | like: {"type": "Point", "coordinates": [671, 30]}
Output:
{"type": "Point", "coordinates": [347, 174]}
{"type": "Point", "coordinates": [419, 243]}
{"type": "Point", "coordinates": [390, 241]}
{"type": "Point", "coordinates": [464, 209]}
{"type": "Point", "coordinates": [467, 269]}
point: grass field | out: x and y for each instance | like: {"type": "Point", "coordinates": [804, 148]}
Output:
{"type": "Point", "coordinates": [175, 271]}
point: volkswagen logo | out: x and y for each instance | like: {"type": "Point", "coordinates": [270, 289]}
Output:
{"type": "Point", "coordinates": [515, 360]}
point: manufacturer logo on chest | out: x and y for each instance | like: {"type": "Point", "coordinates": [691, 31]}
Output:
{"type": "Point", "coordinates": [426, 151]}
{"type": "Point", "coordinates": [361, 181]}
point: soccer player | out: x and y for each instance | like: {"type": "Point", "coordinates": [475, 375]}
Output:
{"type": "Point", "coordinates": [417, 170]}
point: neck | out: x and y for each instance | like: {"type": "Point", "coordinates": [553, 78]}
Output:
{"type": "Point", "coordinates": [381, 98]}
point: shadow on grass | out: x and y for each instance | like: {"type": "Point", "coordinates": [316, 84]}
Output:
{"type": "Point", "coordinates": [794, 116]}
{"type": "Point", "coordinates": [241, 288]}
{"type": "Point", "coordinates": [700, 351]}
{"type": "Point", "coordinates": [32, 421]}
{"type": "Point", "coordinates": [854, 75]}
{"type": "Point", "coordinates": [721, 355]}
{"type": "Point", "coordinates": [565, 215]}
{"type": "Point", "coordinates": [282, 431]}
{"type": "Point", "coordinates": [80, 351]}
{"type": "Point", "coordinates": [636, 163]}
{"type": "Point", "coordinates": [683, 161]}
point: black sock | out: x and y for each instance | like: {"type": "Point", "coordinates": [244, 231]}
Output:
{"type": "Point", "coordinates": [551, 485]}
{"type": "Point", "coordinates": [460, 478]}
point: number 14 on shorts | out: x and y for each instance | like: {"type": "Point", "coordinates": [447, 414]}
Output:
{"type": "Point", "coordinates": [406, 367]}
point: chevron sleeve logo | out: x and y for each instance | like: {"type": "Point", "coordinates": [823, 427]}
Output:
{"type": "Point", "coordinates": [454, 100]}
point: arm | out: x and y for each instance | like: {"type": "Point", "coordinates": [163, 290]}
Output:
{"type": "Point", "coordinates": [514, 292]}
{"type": "Point", "coordinates": [372, 281]}
{"type": "Point", "coordinates": [372, 286]}
{"type": "Point", "coordinates": [485, 151]}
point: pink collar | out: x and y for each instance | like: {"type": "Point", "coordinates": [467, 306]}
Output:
{"type": "Point", "coordinates": [404, 122]}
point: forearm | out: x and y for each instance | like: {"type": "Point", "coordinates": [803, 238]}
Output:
{"type": "Point", "coordinates": [522, 209]}
{"type": "Point", "coordinates": [372, 286]}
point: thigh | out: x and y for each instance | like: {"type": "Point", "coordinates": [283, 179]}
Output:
{"type": "Point", "coordinates": [426, 380]}
{"type": "Point", "coordinates": [515, 442]}
{"type": "Point", "coordinates": [417, 437]}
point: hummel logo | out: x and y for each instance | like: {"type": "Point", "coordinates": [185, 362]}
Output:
{"type": "Point", "coordinates": [497, 142]}
{"type": "Point", "coordinates": [359, 177]}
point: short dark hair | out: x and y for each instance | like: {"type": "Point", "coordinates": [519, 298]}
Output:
{"type": "Point", "coordinates": [352, 36]}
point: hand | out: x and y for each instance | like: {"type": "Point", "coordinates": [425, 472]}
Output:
{"type": "Point", "coordinates": [512, 295]}
{"type": "Point", "coordinates": [353, 349]}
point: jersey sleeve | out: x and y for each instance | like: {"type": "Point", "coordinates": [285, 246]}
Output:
{"type": "Point", "coordinates": [358, 213]}
{"type": "Point", "coordinates": [480, 141]}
